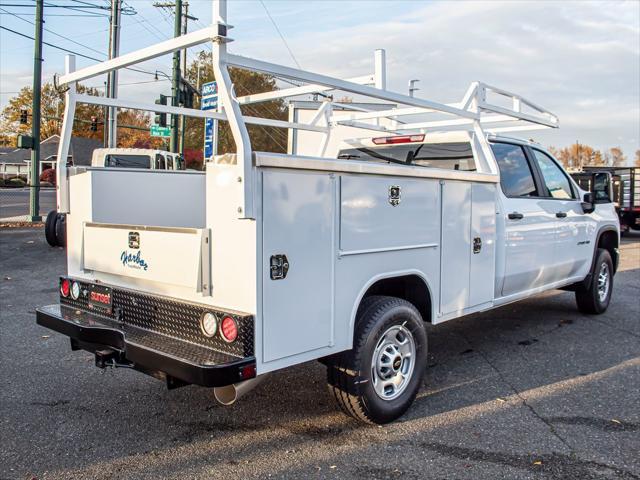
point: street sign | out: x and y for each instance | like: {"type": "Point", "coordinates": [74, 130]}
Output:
{"type": "Point", "coordinates": [209, 102]}
{"type": "Point", "coordinates": [158, 131]}
{"type": "Point", "coordinates": [208, 137]}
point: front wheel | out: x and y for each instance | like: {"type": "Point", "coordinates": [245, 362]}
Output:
{"type": "Point", "coordinates": [596, 298]}
{"type": "Point", "coordinates": [377, 380]}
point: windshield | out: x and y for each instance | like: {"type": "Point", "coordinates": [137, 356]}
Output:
{"type": "Point", "coordinates": [452, 156]}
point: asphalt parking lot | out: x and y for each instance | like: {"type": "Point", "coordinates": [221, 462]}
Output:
{"type": "Point", "coordinates": [531, 390]}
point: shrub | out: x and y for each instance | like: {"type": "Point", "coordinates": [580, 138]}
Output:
{"type": "Point", "coordinates": [16, 182]}
{"type": "Point", "coordinates": [48, 176]}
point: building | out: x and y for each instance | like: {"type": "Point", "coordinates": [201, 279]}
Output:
{"type": "Point", "coordinates": [17, 162]}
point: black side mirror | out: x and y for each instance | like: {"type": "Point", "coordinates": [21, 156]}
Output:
{"type": "Point", "coordinates": [601, 187]}
{"type": "Point", "coordinates": [587, 203]}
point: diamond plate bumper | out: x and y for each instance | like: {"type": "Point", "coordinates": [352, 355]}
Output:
{"type": "Point", "coordinates": [150, 352]}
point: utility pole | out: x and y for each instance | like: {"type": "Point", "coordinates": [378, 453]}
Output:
{"type": "Point", "coordinates": [112, 84]}
{"type": "Point", "coordinates": [34, 197]}
{"type": "Point", "coordinates": [180, 28]}
{"type": "Point", "coordinates": [412, 87]}
{"type": "Point", "coordinates": [175, 89]}
{"type": "Point", "coordinates": [183, 119]}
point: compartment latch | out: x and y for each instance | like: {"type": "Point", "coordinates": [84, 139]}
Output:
{"type": "Point", "coordinates": [477, 245]}
{"type": "Point", "coordinates": [279, 266]}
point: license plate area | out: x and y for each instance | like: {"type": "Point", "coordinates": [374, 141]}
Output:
{"type": "Point", "coordinates": [100, 298]}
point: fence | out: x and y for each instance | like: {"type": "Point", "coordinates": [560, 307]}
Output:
{"type": "Point", "coordinates": [14, 202]}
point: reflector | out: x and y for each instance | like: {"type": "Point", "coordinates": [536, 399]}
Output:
{"type": "Point", "coordinates": [65, 287]}
{"type": "Point", "coordinates": [229, 329]}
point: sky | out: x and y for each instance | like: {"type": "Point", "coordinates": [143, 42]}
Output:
{"type": "Point", "coordinates": [580, 60]}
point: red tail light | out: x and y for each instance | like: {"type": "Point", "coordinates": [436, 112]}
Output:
{"type": "Point", "coordinates": [229, 329]}
{"type": "Point", "coordinates": [398, 139]}
{"type": "Point", "coordinates": [65, 287]}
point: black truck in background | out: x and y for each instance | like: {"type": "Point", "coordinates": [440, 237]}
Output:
{"type": "Point", "coordinates": [624, 192]}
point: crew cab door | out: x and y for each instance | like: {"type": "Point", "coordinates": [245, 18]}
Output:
{"type": "Point", "coordinates": [528, 224]}
{"type": "Point", "coordinates": [573, 250]}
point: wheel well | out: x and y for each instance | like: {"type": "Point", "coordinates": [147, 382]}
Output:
{"type": "Point", "coordinates": [609, 241]}
{"type": "Point", "coordinates": [411, 288]}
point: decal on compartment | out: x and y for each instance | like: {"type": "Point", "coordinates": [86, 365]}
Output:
{"type": "Point", "coordinates": [133, 261]}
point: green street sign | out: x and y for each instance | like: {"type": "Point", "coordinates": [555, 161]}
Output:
{"type": "Point", "coordinates": [158, 131]}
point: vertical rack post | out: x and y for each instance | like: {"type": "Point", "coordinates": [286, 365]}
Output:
{"type": "Point", "coordinates": [62, 181]}
{"type": "Point", "coordinates": [229, 104]}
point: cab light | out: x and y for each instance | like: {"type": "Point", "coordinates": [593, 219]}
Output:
{"type": "Point", "coordinates": [65, 287]}
{"type": "Point", "coordinates": [229, 329]}
{"type": "Point", "coordinates": [398, 139]}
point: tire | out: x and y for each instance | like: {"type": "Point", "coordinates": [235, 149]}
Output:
{"type": "Point", "coordinates": [387, 328]}
{"type": "Point", "coordinates": [595, 299]}
{"type": "Point", "coordinates": [61, 230]}
{"type": "Point", "coordinates": [50, 228]}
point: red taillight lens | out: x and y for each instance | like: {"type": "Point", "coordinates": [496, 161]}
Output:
{"type": "Point", "coordinates": [229, 329]}
{"type": "Point", "coordinates": [398, 139]}
{"type": "Point", "coordinates": [65, 287]}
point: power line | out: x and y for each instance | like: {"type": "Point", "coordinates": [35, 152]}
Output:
{"type": "Point", "coordinates": [281, 35]}
{"type": "Point", "coordinates": [70, 51]}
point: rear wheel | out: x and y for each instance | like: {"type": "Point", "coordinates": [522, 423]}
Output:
{"type": "Point", "coordinates": [377, 381]}
{"type": "Point", "coordinates": [50, 228]}
{"type": "Point", "coordinates": [596, 298]}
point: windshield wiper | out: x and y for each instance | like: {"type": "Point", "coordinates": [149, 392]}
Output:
{"type": "Point", "coordinates": [347, 156]}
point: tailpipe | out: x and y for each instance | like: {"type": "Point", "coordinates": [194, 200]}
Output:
{"type": "Point", "coordinates": [228, 394]}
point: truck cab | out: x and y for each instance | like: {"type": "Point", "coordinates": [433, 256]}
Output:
{"type": "Point", "coordinates": [142, 158]}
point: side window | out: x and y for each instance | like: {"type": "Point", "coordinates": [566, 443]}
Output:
{"type": "Point", "coordinates": [169, 162]}
{"type": "Point", "coordinates": [516, 178]}
{"type": "Point", "coordinates": [556, 181]}
{"type": "Point", "coordinates": [160, 162]}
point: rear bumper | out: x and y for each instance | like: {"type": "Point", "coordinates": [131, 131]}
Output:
{"type": "Point", "coordinates": [152, 353]}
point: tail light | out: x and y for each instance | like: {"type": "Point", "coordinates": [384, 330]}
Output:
{"type": "Point", "coordinates": [398, 139]}
{"type": "Point", "coordinates": [229, 329]}
{"type": "Point", "coordinates": [65, 287]}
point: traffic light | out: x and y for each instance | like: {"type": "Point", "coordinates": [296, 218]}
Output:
{"type": "Point", "coordinates": [94, 124]}
{"type": "Point", "coordinates": [24, 115]}
{"type": "Point", "coordinates": [161, 118]}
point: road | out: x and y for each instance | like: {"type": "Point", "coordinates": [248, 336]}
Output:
{"type": "Point", "coordinates": [531, 390]}
{"type": "Point", "coordinates": [14, 202]}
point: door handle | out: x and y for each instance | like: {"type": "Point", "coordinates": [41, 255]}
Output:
{"type": "Point", "coordinates": [515, 216]}
{"type": "Point", "coordinates": [561, 214]}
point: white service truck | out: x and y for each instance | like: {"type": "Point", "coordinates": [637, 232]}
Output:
{"type": "Point", "coordinates": [267, 260]}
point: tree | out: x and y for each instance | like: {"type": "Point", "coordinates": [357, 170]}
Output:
{"type": "Point", "coordinates": [52, 108]}
{"type": "Point", "coordinates": [578, 155]}
{"type": "Point", "coordinates": [637, 162]}
{"type": "Point", "coordinates": [618, 159]}
{"type": "Point", "coordinates": [269, 139]}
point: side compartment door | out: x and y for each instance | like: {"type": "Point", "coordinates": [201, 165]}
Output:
{"type": "Point", "coordinates": [529, 227]}
{"type": "Point", "coordinates": [298, 228]}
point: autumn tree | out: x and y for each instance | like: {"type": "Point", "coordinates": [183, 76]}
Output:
{"type": "Point", "coordinates": [578, 155]}
{"type": "Point", "coordinates": [637, 162]}
{"type": "Point", "coordinates": [270, 139]}
{"type": "Point", "coordinates": [616, 157]}
{"type": "Point", "coordinates": [52, 108]}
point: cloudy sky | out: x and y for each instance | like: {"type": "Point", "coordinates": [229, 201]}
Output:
{"type": "Point", "coordinates": [580, 60]}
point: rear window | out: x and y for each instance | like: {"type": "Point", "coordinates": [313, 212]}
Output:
{"type": "Point", "coordinates": [126, 161]}
{"type": "Point", "coordinates": [451, 156]}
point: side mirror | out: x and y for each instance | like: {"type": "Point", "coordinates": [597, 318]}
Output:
{"type": "Point", "coordinates": [601, 187]}
{"type": "Point", "coordinates": [587, 203]}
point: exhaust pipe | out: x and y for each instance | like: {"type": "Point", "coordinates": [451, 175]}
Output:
{"type": "Point", "coordinates": [228, 395]}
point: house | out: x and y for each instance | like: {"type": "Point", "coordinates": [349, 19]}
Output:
{"type": "Point", "coordinates": [17, 162]}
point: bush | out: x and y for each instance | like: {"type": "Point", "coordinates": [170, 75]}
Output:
{"type": "Point", "coordinates": [16, 182]}
{"type": "Point", "coordinates": [48, 176]}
